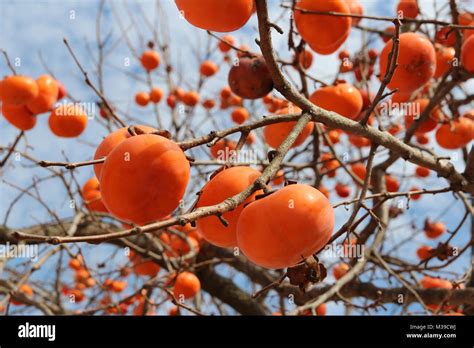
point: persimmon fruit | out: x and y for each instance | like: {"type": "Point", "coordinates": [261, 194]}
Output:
{"type": "Point", "coordinates": [216, 15]}
{"type": "Point", "coordinates": [47, 95]}
{"type": "Point", "coordinates": [416, 62]}
{"type": "Point", "coordinates": [343, 99]}
{"type": "Point", "coordinates": [225, 184]}
{"type": "Point", "coordinates": [285, 227]}
{"type": "Point", "coordinates": [186, 285]}
{"type": "Point", "coordinates": [68, 121]}
{"type": "Point", "coordinates": [324, 34]}
{"type": "Point", "coordinates": [144, 178]}
{"type": "Point", "coordinates": [18, 90]}
{"type": "Point", "coordinates": [250, 78]}
{"type": "Point", "coordinates": [19, 116]}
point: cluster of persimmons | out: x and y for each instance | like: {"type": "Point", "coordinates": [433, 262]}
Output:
{"type": "Point", "coordinates": [276, 230]}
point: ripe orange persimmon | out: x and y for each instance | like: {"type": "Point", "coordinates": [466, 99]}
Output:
{"type": "Point", "coordinates": [226, 41]}
{"type": "Point", "coordinates": [208, 68]}
{"type": "Point", "coordinates": [67, 121]}
{"type": "Point", "coordinates": [359, 170]}
{"type": "Point", "coordinates": [24, 289]}
{"type": "Point", "coordinates": [444, 59]}
{"type": "Point", "coordinates": [435, 283]}
{"type": "Point", "coordinates": [19, 116]}
{"type": "Point", "coordinates": [156, 94]}
{"type": "Point", "coordinates": [422, 139]}
{"type": "Point", "coordinates": [324, 34]}
{"type": "Point", "coordinates": [456, 134]}
{"type": "Point", "coordinates": [340, 270]}
{"type": "Point", "coordinates": [342, 190]}
{"type": "Point", "coordinates": [144, 178]}
{"type": "Point", "coordinates": [422, 172]}
{"type": "Point", "coordinates": [355, 7]}
{"type": "Point", "coordinates": [281, 229]}
{"type": "Point", "coordinates": [391, 183]}
{"type": "Point", "coordinates": [18, 90]}
{"type": "Point", "coordinates": [224, 185]}
{"type": "Point", "coordinates": [415, 197]}
{"type": "Point", "coordinates": [429, 123]}
{"type": "Point", "coordinates": [186, 285]}
{"type": "Point", "coordinates": [274, 134]}
{"type": "Point", "coordinates": [306, 59]}
{"type": "Point", "coordinates": [223, 149]}
{"type": "Point", "coordinates": [209, 104]}
{"type": "Point", "coordinates": [416, 62]}
{"type": "Point", "coordinates": [408, 8]}
{"type": "Point", "coordinates": [150, 60]}
{"type": "Point", "coordinates": [424, 252]}
{"type": "Point", "coordinates": [191, 98]}
{"type": "Point", "coordinates": [330, 164]}
{"type": "Point", "coordinates": [142, 98]}
{"type": "Point", "coordinates": [467, 54]}
{"type": "Point", "coordinates": [171, 101]}
{"type": "Point", "coordinates": [92, 196]}
{"type": "Point", "coordinates": [434, 229]}
{"type": "Point", "coordinates": [240, 115]}
{"type": "Point", "coordinates": [47, 95]}
{"type": "Point", "coordinates": [216, 15]}
{"type": "Point", "coordinates": [76, 263]}
{"type": "Point", "coordinates": [343, 98]}
{"type": "Point", "coordinates": [112, 140]}
{"type": "Point", "coordinates": [358, 141]}
{"type": "Point", "coordinates": [143, 267]}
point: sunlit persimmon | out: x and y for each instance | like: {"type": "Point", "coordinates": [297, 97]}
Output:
{"type": "Point", "coordinates": [224, 45]}
{"type": "Point", "coordinates": [186, 285]}
{"type": "Point", "coordinates": [455, 134]}
{"type": "Point", "coordinates": [330, 164]}
{"type": "Point", "coordinates": [274, 134]}
{"type": "Point", "coordinates": [142, 98]}
{"type": "Point", "coordinates": [422, 139]}
{"type": "Point", "coordinates": [343, 99]}
{"type": "Point", "coordinates": [444, 59]}
{"type": "Point", "coordinates": [191, 98]}
{"type": "Point", "coordinates": [171, 101]}
{"type": "Point", "coordinates": [77, 295]}
{"type": "Point", "coordinates": [285, 227]}
{"type": "Point", "coordinates": [355, 7]}
{"type": "Point", "coordinates": [435, 283]}
{"type": "Point", "coordinates": [359, 170]}
{"type": "Point", "coordinates": [416, 62]}
{"type": "Point", "coordinates": [92, 196]}
{"type": "Point", "coordinates": [391, 183]}
{"type": "Point", "coordinates": [112, 140]}
{"type": "Point", "coordinates": [446, 36]}
{"type": "Point", "coordinates": [208, 68]}
{"type": "Point", "coordinates": [359, 141]}
{"type": "Point", "coordinates": [415, 196]}
{"type": "Point", "coordinates": [224, 185]}
{"type": "Point", "coordinates": [342, 190]}
{"type": "Point", "coordinates": [144, 267]}
{"type": "Point", "coordinates": [68, 120]}
{"type": "Point", "coordinates": [408, 8]}
{"type": "Point", "coordinates": [424, 252]}
{"type": "Point", "coordinates": [19, 116]}
{"type": "Point", "coordinates": [422, 172]}
{"type": "Point", "coordinates": [216, 15]}
{"type": "Point", "coordinates": [157, 172]}
{"type": "Point", "coordinates": [388, 33]}
{"type": "Point", "coordinates": [156, 94]}
{"type": "Point", "coordinates": [209, 104]}
{"type": "Point", "coordinates": [340, 270]}
{"type": "Point", "coordinates": [434, 229]}
{"type": "Point", "coordinates": [18, 90]}
{"type": "Point", "coordinates": [240, 115]}
{"type": "Point", "coordinates": [324, 34]}
{"type": "Point", "coordinates": [47, 95]}
{"type": "Point", "coordinates": [150, 60]}
{"type": "Point", "coordinates": [182, 246]}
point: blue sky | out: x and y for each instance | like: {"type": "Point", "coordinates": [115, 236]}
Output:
{"type": "Point", "coordinates": [29, 27]}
